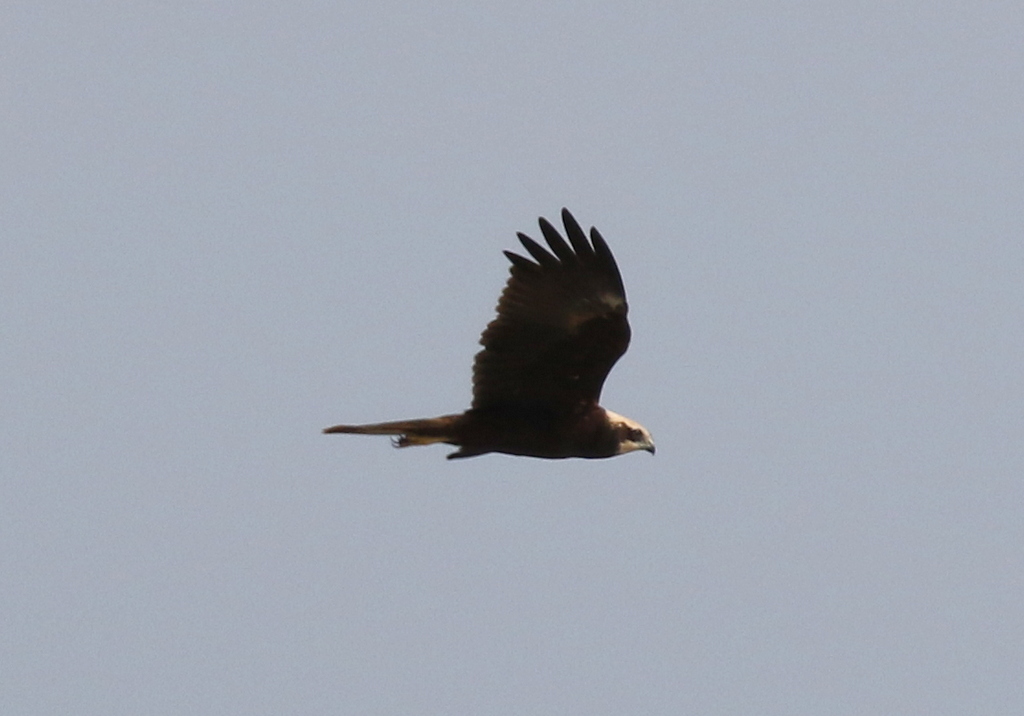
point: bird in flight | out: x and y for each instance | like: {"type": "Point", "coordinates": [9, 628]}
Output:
{"type": "Point", "coordinates": [560, 328]}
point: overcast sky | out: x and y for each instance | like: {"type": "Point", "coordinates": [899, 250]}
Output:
{"type": "Point", "coordinates": [224, 226]}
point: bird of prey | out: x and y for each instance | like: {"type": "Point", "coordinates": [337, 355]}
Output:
{"type": "Point", "coordinates": [560, 328]}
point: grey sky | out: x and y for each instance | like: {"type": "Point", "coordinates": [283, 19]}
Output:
{"type": "Point", "coordinates": [225, 226]}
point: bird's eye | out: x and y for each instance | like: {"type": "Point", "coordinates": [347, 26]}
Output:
{"type": "Point", "coordinates": [634, 435]}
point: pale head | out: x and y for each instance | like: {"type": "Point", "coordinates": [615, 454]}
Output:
{"type": "Point", "coordinates": [632, 435]}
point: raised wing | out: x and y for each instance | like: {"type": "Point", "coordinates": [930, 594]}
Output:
{"type": "Point", "coordinates": [560, 328]}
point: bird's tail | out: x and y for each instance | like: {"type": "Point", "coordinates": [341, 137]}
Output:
{"type": "Point", "coordinates": [409, 432]}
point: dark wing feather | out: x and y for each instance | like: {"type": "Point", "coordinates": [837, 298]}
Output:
{"type": "Point", "coordinates": [561, 325]}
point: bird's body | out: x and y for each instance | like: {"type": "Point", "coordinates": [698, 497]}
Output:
{"type": "Point", "coordinates": [560, 328]}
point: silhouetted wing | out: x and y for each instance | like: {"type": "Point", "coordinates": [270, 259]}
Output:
{"type": "Point", "coordinates": [560, 328]}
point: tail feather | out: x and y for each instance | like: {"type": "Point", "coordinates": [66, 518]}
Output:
{"type": "Point", "coordinates": [410, 432]}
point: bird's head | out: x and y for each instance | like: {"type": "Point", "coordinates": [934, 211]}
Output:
{"type": "Point", "coordinates": [632, 435]}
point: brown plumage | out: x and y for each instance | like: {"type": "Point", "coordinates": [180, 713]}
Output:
{"type": "Point", "coordinates": [560, 328]}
